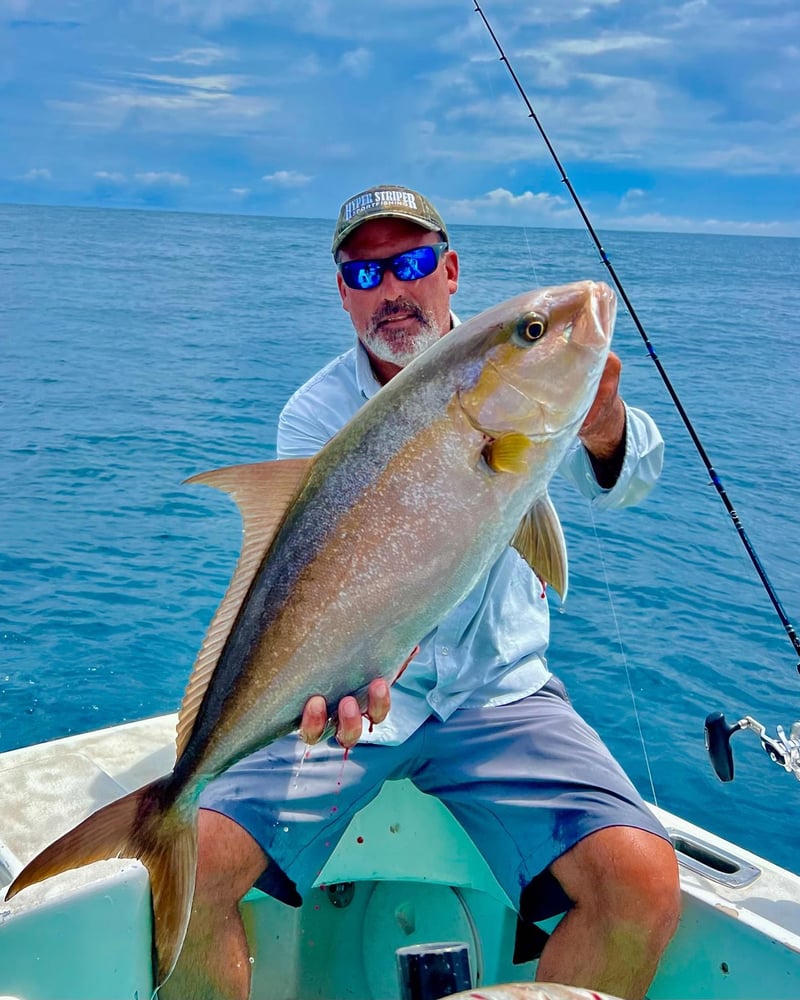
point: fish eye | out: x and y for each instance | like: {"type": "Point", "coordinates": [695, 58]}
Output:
{"type": "Point", "coordinates": [532, 328]}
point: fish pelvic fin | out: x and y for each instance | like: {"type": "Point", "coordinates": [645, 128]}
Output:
{"type": "Point", "coordinates": [539, 539]}
{"type": "Point", "coordinates": [264, 492]}
{"type": "Point", "coordinates": [139, 825]}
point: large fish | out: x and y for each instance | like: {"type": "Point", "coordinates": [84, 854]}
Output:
{"type": "Point", "coordinates": [351, 557]}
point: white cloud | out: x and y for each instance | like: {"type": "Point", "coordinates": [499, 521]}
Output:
{"type": "Point", "coordinates": [630, 121]}
{"type": "Point", "coordinates": [161, 178]}
{"type": "Point", "coordinates": [741, 159]}
{"type": "Point", "coordinates": [287, 179]}
{"type": "Point", "coordinates": [603, 44]}
{"type": "Point", "coordinates": [669, 98]}
{"type": "Point", "coordinates": [224, 83]}
{"type": "Point", "coordinates": [194, 109]}
{"type": "Point", "coordinates": [37, 174]}
{"type": "Point", "coordinates": [661, 222]}
{"type": "Point", "coordinates": [631, 198]}
{"type": "Point", "coordinates": [501, 207]}
{"type": "Point", "coordinates": [201, 55]}
{"type": "Point", "coordinates": [357, 62]}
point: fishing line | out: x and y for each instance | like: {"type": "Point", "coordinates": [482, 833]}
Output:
{"type": "Point", "coordinates": [531, 261]}
{"type": "Point", "coordinates": [624, 656]}
{"type": "Point", "coordinates": [715, 479]}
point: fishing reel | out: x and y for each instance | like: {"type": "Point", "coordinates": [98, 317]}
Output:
{"type": "Point", "coordinates": [783, 749]}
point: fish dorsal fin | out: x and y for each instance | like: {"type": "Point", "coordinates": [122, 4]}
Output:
{"type": "Point", "coordinates": [263, 491]}
{"type": "Point", "coordinates": [508, 452]}
{"type": "Point", "coordinates": [539, 539]}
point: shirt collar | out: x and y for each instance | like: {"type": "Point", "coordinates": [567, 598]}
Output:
{"type": "Point", "coordinates": [368, 385]}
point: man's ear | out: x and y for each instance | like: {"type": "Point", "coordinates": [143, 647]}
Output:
{"type": "Point", "coordinates": [343, 292]}
{"type": "Point", "coordinates": [451, 270]}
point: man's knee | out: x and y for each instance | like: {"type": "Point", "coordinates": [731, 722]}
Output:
{"type": "Point", "coordinates": [625, 875]}
{"type": "Point", "coordinates": [229, 860]}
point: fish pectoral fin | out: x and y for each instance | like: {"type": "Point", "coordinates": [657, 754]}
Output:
{"type": "Point", "coordinates": [264, 491]}
{"type": "Point", "coordinates": [539, 539]}
{"type": "Point", "coordinates": [508, 453]}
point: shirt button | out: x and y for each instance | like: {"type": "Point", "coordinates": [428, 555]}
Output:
{"type": "Point", "coordinates": [445, 650]}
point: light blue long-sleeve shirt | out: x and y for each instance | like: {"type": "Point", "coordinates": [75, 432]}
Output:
{"type": "Point", "coordinates": [490, 649]}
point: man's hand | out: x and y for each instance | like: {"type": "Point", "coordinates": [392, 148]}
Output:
{"type": "Point", "coordinates": [603, 430]}
{"type": "Point", "coordinates": [348, 730]}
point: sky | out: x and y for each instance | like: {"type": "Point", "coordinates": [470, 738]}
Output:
{"type": "Point", "coordinates": [667, 116]}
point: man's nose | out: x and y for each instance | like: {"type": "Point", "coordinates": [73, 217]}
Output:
{"type": "Point", "coordinates": [392, 287]}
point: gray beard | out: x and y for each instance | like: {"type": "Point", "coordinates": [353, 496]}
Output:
{"type": "Point", "coordinates": [400, 346]}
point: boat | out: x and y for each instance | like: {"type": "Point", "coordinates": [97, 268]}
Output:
{"type": "Point", "coordinates": [404, 874]}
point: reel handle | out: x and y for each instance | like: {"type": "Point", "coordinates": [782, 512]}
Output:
{"type": "Point", "coordinates": [718, 744]}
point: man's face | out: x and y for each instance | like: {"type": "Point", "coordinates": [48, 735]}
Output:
{"type": "Point", "coordinates": [397, 320]}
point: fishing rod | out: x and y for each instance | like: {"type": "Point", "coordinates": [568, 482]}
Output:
{"type": "Point", "coordinates": [718, 733]}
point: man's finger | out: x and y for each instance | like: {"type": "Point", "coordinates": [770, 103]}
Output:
{"type": "Point", "coordinates": [378, 700]}
{"type": "Point", "coordinates": [350, 722]}
{"type": "Point", "coordinates": [315, 717]}
{"type": "Point", "coordinates": [348, 732]}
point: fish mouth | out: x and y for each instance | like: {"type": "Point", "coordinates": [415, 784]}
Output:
{"type": "Point", "coordinates": [596, 330]}
{"type": "Point", "coordinates": [591, 324]}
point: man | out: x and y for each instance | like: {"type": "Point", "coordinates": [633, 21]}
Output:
{"type": "Point", "coordinates": [476, 718]}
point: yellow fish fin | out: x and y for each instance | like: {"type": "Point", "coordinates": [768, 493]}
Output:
{"type": "Point", "coordinates": [508, 453]}
{"type": "Point", "coordinates": [263, 491]}
{"type": "Point", "coordinates": [539, 539]}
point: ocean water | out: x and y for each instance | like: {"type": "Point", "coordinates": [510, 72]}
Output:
{"type": "Point", "coordinates": [139, 348]}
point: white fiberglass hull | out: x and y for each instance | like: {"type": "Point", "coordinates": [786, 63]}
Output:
{"type": "Point", "coordinates": [404, 870]}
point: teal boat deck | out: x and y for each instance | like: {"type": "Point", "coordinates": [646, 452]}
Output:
{"type": "Point", "coordinates": [403, 874]}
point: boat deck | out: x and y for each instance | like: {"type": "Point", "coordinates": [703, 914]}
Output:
{"type": "Point", "coordinates": [404, 873]}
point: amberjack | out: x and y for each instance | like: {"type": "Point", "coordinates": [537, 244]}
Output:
{"type": "Point", "coordinates": [350, 558]}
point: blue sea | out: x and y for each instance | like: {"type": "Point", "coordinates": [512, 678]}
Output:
{"type": "Point", "coordinates": [139, 348]}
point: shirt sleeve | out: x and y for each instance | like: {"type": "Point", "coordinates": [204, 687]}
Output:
{"type": "Point", "coordinates": [301, 432]}
{"type": "Point", "coordinates": [641, 467]}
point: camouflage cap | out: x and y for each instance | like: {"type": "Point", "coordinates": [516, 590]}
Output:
{"type": "Point", "coordinates": [386, 201]}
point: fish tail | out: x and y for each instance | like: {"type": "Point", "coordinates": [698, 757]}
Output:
{"type": "Point", "coordinates": [146, 824]}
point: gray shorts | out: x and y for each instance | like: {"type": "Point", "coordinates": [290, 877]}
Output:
{"type": "Point", "coordinates": [526, 781]}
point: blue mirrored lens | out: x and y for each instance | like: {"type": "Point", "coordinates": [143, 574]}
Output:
{"type": "Point", "coordinates": [407, 266]}
{"type": "Point", "coordinates": [362, 273]}
{"type": "Point", "coordinates": [415, 264]}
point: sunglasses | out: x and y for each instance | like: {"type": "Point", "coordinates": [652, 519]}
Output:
{"type": "Point", "coordinates": [407, 266]}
